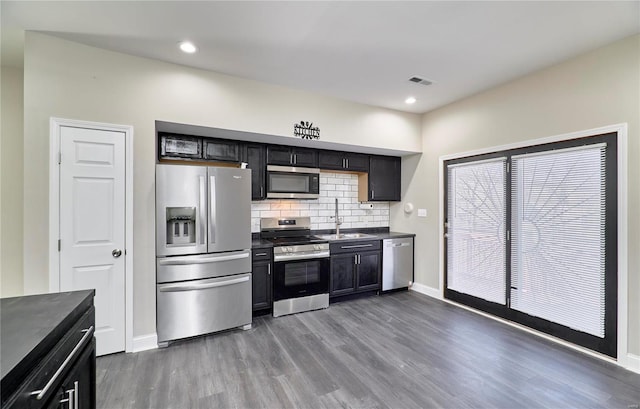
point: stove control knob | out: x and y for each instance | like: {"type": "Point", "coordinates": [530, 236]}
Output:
{"type": "Point", "coordinates": [289, 249]}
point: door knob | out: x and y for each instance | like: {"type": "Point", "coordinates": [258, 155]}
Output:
{"type": "Point", "coordinates": [116, 253]}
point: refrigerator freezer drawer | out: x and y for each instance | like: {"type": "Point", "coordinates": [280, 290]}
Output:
{"type": "Point", "coordinates": [198, 307]}
{"type": "Point", "coordinates": [170, 269]}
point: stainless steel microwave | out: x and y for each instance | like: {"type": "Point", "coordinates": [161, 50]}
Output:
{"type": "Point", "coordinates": [286, 182]}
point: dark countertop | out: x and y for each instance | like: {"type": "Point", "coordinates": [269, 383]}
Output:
{"type": "Point", "coordinates": [380, 234]}
{"type": "Point", "coordinates": [31, 325]}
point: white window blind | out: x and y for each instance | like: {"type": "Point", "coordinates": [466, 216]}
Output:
{"type": "Point", "coordinates": [476, 229]}
{"type": "Point", "coordinates": [557, 237]}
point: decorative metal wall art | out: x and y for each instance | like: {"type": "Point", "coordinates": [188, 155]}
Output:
{"type": "Point", "coordinates": [306, 130]}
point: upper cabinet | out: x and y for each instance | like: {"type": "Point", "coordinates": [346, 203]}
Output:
{"type": "Point", "coordinates": [355, 162]}
{"type": "Point", "coordinates": [383, 180]}
{"type": "Point", "coordinates": [378, 176]}
{"type": "Point", "coordinates": [222, 150]}
{"type": "Point", "coordinates": [254, 155]}
{"type": "Point", "coordinates": [292, 156]}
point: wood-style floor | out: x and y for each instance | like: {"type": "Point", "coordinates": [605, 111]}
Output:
{"type": "Point", "coordinates": [402, 350]}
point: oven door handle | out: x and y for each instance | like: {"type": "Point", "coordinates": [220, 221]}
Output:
{"type": "Point", "coordinates": [206, 260]}
{"type": "Point", "coordinates": [191, 287]}
{"type": "Point", "coordinates": [324, 254]}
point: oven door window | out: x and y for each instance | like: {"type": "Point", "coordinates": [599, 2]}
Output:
{"type": "Point", "coordinates": [294, 279]}
{"type": "Point", "coordinates": [288, 182]}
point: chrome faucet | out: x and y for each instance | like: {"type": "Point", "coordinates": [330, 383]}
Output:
{"type": "Point", "coordinates": [338, 222]}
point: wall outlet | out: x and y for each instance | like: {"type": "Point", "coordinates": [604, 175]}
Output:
{"type": "Point", "coordinates": [422, 212]}
{"type": "Point", "coordinates": [366, 205]}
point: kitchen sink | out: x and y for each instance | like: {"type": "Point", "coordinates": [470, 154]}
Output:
{"type": "Point", "coordinates": [345, 236]}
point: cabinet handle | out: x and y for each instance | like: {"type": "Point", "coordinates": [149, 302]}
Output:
{"type": "Point", "coordinates": [75, 395]}
{"type": "Point", "coordinates": [260, 254]}
{"type": "Point", "coordinates": [373, 194]}
{"type": "Point", "coordinates": [347, 163]}
{"type": "Point", "coordinates": [295, 158]}
{"type": "Point", "coordinates": [359, 258]}
{"type": "Point", "coordinates": [355, 259]}
{"type": "Point", "coordinates": [356, 246]}
{"type": "Point", "coordinates": [269, 268]}
{"type": "Point", "coordinates": [87, 334]}
{"type": "Point", "coordinates": [344, 163]}
{"type": "Point", "coordinates": [261, 191]}
{"type": "Point", "coordinates": [291, 158]}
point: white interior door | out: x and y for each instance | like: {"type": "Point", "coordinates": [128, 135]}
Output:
{"type": "Point", "coordinates": [92, 226]}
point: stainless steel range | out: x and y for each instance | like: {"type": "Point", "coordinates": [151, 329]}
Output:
{"type": "Point", "coordinates": [301, 265]}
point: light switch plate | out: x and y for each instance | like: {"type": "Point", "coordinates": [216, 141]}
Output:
{"type": "Point", "coordinates": [422, 212]}
{"type": "Point", "coordinates": [366, 205]}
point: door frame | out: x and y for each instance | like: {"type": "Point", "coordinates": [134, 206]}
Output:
{"type": "Point", "coordinates": [623, 358]}
{"type": "Point", "coordinates": [55, 125]}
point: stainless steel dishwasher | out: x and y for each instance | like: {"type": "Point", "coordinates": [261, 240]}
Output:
{"type": "Point", "coordinates": [397, 263]}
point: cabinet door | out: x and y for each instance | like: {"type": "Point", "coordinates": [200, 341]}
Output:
{"type": "Point", "coordinates": [368, 277]}
{"type": "Point", "coordinates": [279, 155]}
{"type": "Point", "coordinates": [357, 162]}
{"type": "Point", "coordinates": [305, 157]}
{"type": "Point", "coordinates": [343, 274]}
{"type": "Point", "coordinates": [261, 281]}
{"type": "Point", "coordinates": [331, 160]}
{"type": "Point", "coordinates": [384, 178]}
{"type": "Point", "coordinates": [254, 156]}
{"type": "Point", "coordinates": [221, 150]}
{"type": "Point", "coordinates": [81, 380]}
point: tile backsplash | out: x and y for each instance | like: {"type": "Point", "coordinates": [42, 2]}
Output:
{"type": "Point", "coordinates": [343, 186]}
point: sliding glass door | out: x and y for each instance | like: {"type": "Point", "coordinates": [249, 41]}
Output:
{"type": "Point", "coordinates": [531, 237]}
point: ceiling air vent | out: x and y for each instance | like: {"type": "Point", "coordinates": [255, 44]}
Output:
{"type": "Point", "coordinates": [419, 80]}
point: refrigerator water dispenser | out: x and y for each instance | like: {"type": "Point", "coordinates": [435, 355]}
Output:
{"type": "Point", "coordinates": [181, 226]}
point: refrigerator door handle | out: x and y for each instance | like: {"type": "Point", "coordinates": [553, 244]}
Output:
{"type": "Point", "coordinates": [203, 210]}
{"type": "Point", "coordinates": [175, 261]}
{"type": "Point", "coordinates": [212, 209]}
{"type": "Point", "coordinates": [191, 287]}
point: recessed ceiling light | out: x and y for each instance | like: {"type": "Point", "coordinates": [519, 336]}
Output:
{"type": "Point", "coordinates": [188, 47]}
{"type": "Point", "coordinates": [410, 100]}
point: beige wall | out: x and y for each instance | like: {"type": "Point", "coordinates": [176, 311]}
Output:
{"type": "Point", "coordinates": [11, 162]}
{"type": "Point", "coordinates": [69, 80]}
{"type": "Point", "coordinates": [593, 90]}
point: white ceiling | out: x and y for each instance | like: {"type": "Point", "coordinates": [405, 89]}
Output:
{"type": "Point", "coordinates": [358, 51]}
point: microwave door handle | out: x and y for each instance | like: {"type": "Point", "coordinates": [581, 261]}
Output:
{"type": "Point", "coordinates": [212, 209]}
{"type": "Point", "coordinates": [202, 210]}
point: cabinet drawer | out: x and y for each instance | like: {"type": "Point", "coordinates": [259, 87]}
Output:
{"type": "Point", "coordinates": [354, 246]}
{"type": "Point", "coordinates": [265, 254]}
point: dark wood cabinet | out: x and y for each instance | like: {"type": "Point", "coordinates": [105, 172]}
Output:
{"type": "Point", "coordinates": [262, 282]}
{"type": "Point", "coordinates": [384, 178]}
{"type": "Point", "coordinates": [343, 274]}
{"type": "Point", "coordinates": [49, 351]}
{"type": "Point", "coordinates": [254, 156]}
{"type": "Point", "coordinates": [355, 267]}
{"type": "Point", "coordinates": [79, 385]}
{"type": "Point", "coordinates": [348, 161]}
{"type": "Point", "coordinates": [222, 150]}
{"type": "Point", "coordinates": [290, 156]}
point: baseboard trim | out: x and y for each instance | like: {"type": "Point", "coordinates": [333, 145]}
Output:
{"type": "Point", "coordinates": [145, 342]}
{"type": "Point", "coordinates": [633, 363]}
{"type": "Point", "coordinates": [426, 290]}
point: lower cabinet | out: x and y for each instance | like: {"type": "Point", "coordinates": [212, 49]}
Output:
{"type": "Point", "coordinates": [355, 267]}
{"type": "Point", "coordinates": [78, 388]}
{"type": "Point", "coordinates": [262, 298]}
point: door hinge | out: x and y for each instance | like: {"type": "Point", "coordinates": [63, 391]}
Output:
{"type": "Point", "coordinates": [59, 244]}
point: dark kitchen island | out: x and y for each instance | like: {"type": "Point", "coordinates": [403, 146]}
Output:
{"type": "Point", "coordinates": [47, 350]}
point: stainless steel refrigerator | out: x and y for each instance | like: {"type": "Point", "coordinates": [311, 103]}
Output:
{"type": "Point", "coordinates": [203, 250]}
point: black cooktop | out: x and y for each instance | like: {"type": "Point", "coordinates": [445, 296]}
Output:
{"type": "Point", "coordinates": [295, 241]}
